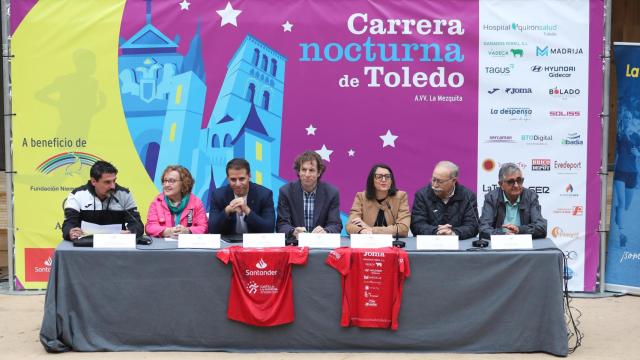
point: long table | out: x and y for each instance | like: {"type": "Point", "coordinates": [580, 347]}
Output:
{"type": "Point", "coordinates": [159, 298]}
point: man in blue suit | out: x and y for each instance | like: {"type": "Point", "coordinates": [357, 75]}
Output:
{"type": "Point", "coordinates": [308, 205]}
{"type": "Point", "coordinates": [241, 206]}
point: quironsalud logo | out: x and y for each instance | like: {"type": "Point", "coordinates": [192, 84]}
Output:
{"type": "Point", "coordinates": [73, 162]}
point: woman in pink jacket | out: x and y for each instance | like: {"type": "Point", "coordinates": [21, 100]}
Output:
{"type": "Point", "coordinates": [176, 211]}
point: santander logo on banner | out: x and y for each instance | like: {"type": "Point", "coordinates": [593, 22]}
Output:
{"type": "Point", "coordinates": [38, 263]}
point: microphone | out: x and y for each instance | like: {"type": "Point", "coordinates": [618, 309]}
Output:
{"type": "Point", "coordinates": [480, 243]}
{"type": "Point", "coordinates": [290, 239]}
{"type": "Point", "coordinates": [142, 240]}
{"type": "Point", "coordinates": [396, 242]}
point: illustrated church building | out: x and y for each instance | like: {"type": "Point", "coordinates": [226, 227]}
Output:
{"type": "Point", "coordinates": [147, 63]}
{"type": "Point", "coordinates": [163, 96]}
{"type": "Point", "coordinates": [246, 121]}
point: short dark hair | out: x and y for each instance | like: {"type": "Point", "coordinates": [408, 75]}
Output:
{"type": "Point", "coordinates": [371, 189]}
{"type": "Point", "coordinates": [186, 179]}
{"type": "Point", "coordinates": [101, 167]}
{"type": "Point", "coordinates": [238, 164]}
{"type": "Point", "coordinates": [309, 156]}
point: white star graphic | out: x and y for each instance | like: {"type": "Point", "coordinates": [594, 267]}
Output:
{"type": "Point", "coordinates": [228, 15]}
{"type": "Point", "coordinates": [324, 153]}
{"type": "Point", "coordinates": [388, 139]}
{"type": "Point", "coordinates": [184, 5]}
{"type": "Point", "coordinates": [287, 26]}
{"type": "Point", "coordinates": [352, 153]}
{"type": "Point", "coordinates": [311, 130]}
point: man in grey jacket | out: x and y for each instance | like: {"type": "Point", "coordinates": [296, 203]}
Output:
{"type": "Point", "coordinates": [511, 208]}
{"type": "Point", "coordinates": [445, 207]}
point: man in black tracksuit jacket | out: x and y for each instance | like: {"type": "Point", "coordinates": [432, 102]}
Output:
{"type": "Point", "coordinates": [101, 201]}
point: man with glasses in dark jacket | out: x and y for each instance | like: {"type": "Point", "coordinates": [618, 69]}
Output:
{"type": "Point", "coordinates": [511, 208]}
{"type": "Point", "coordinates": [445, 207]}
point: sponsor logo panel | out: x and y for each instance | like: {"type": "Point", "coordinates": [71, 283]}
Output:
{"type": "Point", "coordinates": [540, 190]}
{"type": "Point", "coordinates": [558, 232]}
{"type": "Point", "coordinates": [576, 210]}
{"type": "Point", "coordinates": [499, 70]}
{"type": "Point", "coordinates": [554, 71]}
{"type": "Point", "coordinates": [535, 139]}
{"type": "Point", "coordinates": [505, 43]}
{"type": "Point", "coordinates": [540, 164]}
{"type": "Point", "coordinates": [38, 263]}
{"type": "Point", "coordinates": [500, 139]}
{"type": "Point", "coordinates": [564, 113]}
{"type": "Point", "coordinates": [514, 113]}
{"type": "Point", "coordinates": [569, 192]}
{"type": "Point", "coordinates": [572, 139]}
{"type": "Point", "coordinates": [545, 50]}
{"type": "Point", "coordinates": [510, 91]}
{"type": "Point", "coordinates": [545, 29]}
{"type": "Point", "coordinates": [564, 93]}
{"type": "Point", "coordinates": [567, 167]}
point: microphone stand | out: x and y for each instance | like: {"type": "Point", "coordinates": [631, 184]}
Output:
{"type": "Point", "coordinates": [143, 239]}
{"type": "Point", "coordinates": [480, 243]}
{"type": "Point", "coordinates": [396, 242]}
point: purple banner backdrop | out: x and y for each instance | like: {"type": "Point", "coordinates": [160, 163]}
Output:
{"type": "Point", "coordinates": [433, 122]}
{"type": "Point", "coordinates": [17, 11]}
{"type": "Point", "coordinates": [351, 118]}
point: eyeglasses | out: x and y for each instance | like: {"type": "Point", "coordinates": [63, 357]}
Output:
{"type": "Point", "coordinates": [512, 182]}
{"type": "Point", "coordinates": [437, 181]}
{"type": "Point", "coordinates": [170, 181]}
{"type": "Point", "coordinates": [382, 176]}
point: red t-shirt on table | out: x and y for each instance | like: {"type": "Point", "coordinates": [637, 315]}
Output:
{"type": "Point", "coordinates": [261, 293]}
{"type": "Point", "coordinates": [372, 282]}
